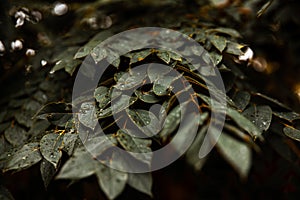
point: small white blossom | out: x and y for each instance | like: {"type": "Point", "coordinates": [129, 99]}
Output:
{"type": "Point", "coordinates": [20, 16]}
{"type": "Point", "coordinates": [2, 47]}
{"type": "Point", "coordinates": [17, 45]}
{"type": "Point", "coordinates": [60, 9]}
{"type": "Point", "coordinates": [43, 63]}
{"type": "Point", "coordinates": [30, 52]}
{"type": "Point", "coordinates": [248, 55]}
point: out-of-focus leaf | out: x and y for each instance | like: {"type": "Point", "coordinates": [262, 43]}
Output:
{"type": "Point", "coordinates": [219, 42]}
{"type": "Point", "coordinates": [111, 181]}
{"type": "Point", "coordinates": [27, 156]}
{"type": "Point", "coordinates": [227, 31]}
{"type": "Point", "coordinates": [16, 135]}
{"type": "Point", "coordinates": [69, 142]}
{"type": "Point", "coordinates": [51, 146]}
{"type": "Point", "coordinates": [261, 116]}
{"type": "Point", "coordinates": [24, 118]}
{"type": "Point", "coordinates": [38, 128]}
{"type": "Point", "coordinates": [66, 61]}
{"type": "Point", "coordinates": [234, 48]}
{"type": "Point", "coordinates": [5, 194]}
{"type": "Point", "coordinates": [79, 166]}
{"type": "Point", "coordinates": [141, 182]}
{"type": "Point", "coordinates": [237, 154]}
{"type": "Point", "coordinates": [87, 115]}
{"type": "Point", "coordinates": [289, 116]}
{"type": "Point", "coordinates": [241, 99]}
{"type": "Point", "coordinates": [47, 172]}
{"type": "Point", "coordinates": [97, 39]}
{"type": "Point", "coordinates": [292, 133]}
{"type": "Point", "coordinates": [192, 154]}
{"type": "Point", "coordinates": [145, 120]}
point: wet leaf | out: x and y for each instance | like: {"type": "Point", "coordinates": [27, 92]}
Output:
{"type": "Point", "coordinates": [241, 99]}
{"type": "Point", "coordinates": [131, 79]}
{"type": "Point", "coordinates": [38, 128]}
{"type": "Point", "coordinates": [50, 147]}
{"type": "Point", "coordinates": [27, 156]}
{"type": "Point", "coordinates": [244, 123]}
{"type": "Point", "coordinates": [164, 56]}
{"type": "Point", "coordinates": [16, 135]}
{"type": "Point", "coordinates": [101, 95]}
{"type": "Point", "coordinates": [24, 118]}
{"type": "Point", "coordinates": [145, 120]}
{"type": "Point", "coordinates": [141, 182]}
{"type": "Point", "coordinates": [154, 71]}
{"type": "Point", "coordinates": [292, 133]}
{"type": "Point", "coordinates": [47, 172]}
{"type": "Point", "coordinates": [289, 116]}
{"type": "Point", "coordinates": [98, 145]}
{"type": "Point", "coordinates": [69, 142]}
{"type": "Point", "coordinates": [139, 55]}
{"type": "Point", "coordinates": [162, 85]}
{"type": "Point", "coordinates": [172, 121]}
{"type": "Point", "coordinates": [137, 147]}
{"type": "Point", "coordinates": [79, 166]}
{"type": "Point", "coordinates": [147, 97]}
{"type": "Point", "coordinates": [216, 57]}
{"type": "Point", "coordinates": [261, 116]}
{"type": "Point", "coordinates": [87, 115]}
{"type": "Point", "coordinates": [237, 154]}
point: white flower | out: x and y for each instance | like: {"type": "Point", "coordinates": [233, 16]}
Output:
{"type": "Point", "coordinates": [2, 47]}
{"type": "Point", "coordinates": [248, 55]}
{"type": "Point", "coordinates": [60, 9]}
{"type": "Point", "coordinates": [30, 52]}
{"type": "Point", "coordinates": [17, 45]}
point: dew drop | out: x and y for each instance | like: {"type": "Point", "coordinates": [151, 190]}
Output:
{"type": "Point", "coordinates": [60, 9]}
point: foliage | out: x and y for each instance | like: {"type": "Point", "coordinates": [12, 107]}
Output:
{"type": "Point", "coordinates": [38, 127]}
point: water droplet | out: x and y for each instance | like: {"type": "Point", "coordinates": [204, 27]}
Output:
{"type": "Point", "coordinates": [60, 9]}
{"type": "Point", "coordinates": [8, 155]}
{"type": "Point", "coordinates": [24, 157]}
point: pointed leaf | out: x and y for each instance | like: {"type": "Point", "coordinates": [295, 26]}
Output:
{"type": "Point", "coordinates": [292, 133]}
{"type": "Point", "coordinates": [141, 182]}
{"type": "Point", "coordinates": [261, 116]}
{"type": "Point", "coordinates": [87, 115]}
{"type": "Point", "coordinates": [47, 172]}
{"type": "Point", "coordinates": [50, 147]}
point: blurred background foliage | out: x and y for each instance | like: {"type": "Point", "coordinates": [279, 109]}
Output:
{"type": "Point", "coordinates": [43, 43]}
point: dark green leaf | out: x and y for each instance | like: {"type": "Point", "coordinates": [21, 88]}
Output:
{"type": "Point", "coordinates": [292, 133]}
{"type": "Point", "coordinates": [16, 135]}
{"type": "Point", "coordinates": [47, 172]}
{"type": "Point", "coordinates": [289, 116]}
{"type": "Point", "coordinates": [154, 71]}
{"type": "Point", "coordinates": [164, 56]}
{"type": "Point", "coordinates": [234, 48]}
{"type": "Point", "coordinates": [227, 31]}
{"type": "Point", "coordinates": [138, 56]}
{"type": "Point", "coordinates": [219, 42]}
{"type": "Point", "coordinates": [145, 120]}
{"type": "Point", "coordinates": [261, 116]}
{"type": "Point", "coordinates": [162, 85]}
{"type": "Point", "coordinates": [147, 97]}
{"type": "Point", "coordinates": [131, 79]}
{"type": "Point", "coordinates": [215, 57]}
{"type": "Point", "coordinates": [87, 115]}
{"type": "Point", "coordinates": [241, 99]}
{"type": "Point", "coordinates": [69, 142]}
{"type": "Point", "coordinates": [50, 147]}
{"type": "Point", "coordinates": [237, 154]}
{"type": "Point", "coordinates": [101, 95]}
{"type": "Point", "coordinates": [141, 182]}
{"type": "Point", "coordinates": [27, 156]}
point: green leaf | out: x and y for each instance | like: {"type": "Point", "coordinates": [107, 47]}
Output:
{"type": "Point", "coordinates": [219, 42]}
{"type": "Point", "coordinates": [241, 99]}
{"type": "Point", "coordinates": [154, 71]}
{"type": "Point", "coordinates": [145, 120]}
{"type": "Point", "coordinates": [111, 181]}
{"type": "Point", "coordinates": [97, 39]}
{"type": "Point", "coordinates": [50, 147]}
{"type": "Point", "coordinates": [162, 85]}
{"type": "Point", "coordinates": [261, 116]}
{"type": "Point", "coordinates": [289, 116]}
{"type": "Point", "coordinates": [16, 135]}
{"type": "Point", "coordinates": [66, 61]}
{"type": "Point", "coordinates": [244, 123]}
{"type": "Point", "coordinates": [237, 154]}
{"type": "Point", "coordinates": [147, 97]}
{"type": "Point", "coordinates": [47, 172]}
{"type": "Point", "coordinates": [172, 121]}
{"type": "Point", "coordinates": [137, 147]}
{"type": "Point", "coordinates": [79, 166]}
{"type": "Point", "coordinates": [141, 182]}
{"type": "Point", "coordinates": [164, 56]}
{"type": "Point", "coordinates": [101, 95]}
{"type": "Point", "coordinates": [27, 156]}
{"type": "Point", "coordinates": [234, 48]}
{"type": "Point", "coordinates": [69, 142]}
{"type": "Point", "coordinates": [118, 105]}
{"type": "Point", "coordinates": [216, 57]}
{"type": "Point", "coordinates": [292, 133]}
{"type": "Point", "coordinates": [131, 79]}
{"type": "Point", "coordinates": [87, 115]}
{"type": "Point", "coordinates": [139, 55]}
{"type": "Point", "coordinates": [227, 31]}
